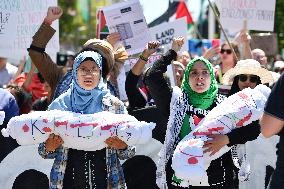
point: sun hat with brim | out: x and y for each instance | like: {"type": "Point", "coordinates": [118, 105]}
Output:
{"type": "Point", "coordinates": [279, 64]}
{"type": "Point", "coordinates": [104, 48]}
{"type": "Point", "coordinates": [248, 67]}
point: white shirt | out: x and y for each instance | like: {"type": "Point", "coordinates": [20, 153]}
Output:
{"type": "Point", "coordinates": [7, 73]}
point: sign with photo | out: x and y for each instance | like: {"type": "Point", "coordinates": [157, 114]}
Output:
{"type": "Point", "coordinates": [128, 19]}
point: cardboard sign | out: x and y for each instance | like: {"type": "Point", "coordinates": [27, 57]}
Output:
{"type": "Point", "coordinates": [258, 13]}
{"type": "Point", "coordinates": [265, 41]}
{"type": "Point", "coordinates": [19, 20]}
{"type": "Point", "coordinates": [167, 31]}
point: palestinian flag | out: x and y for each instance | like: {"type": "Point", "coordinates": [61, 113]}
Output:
{"type": "Point", "coordinates": [176, 10]}
{"type": "Point", "coordinates": [101, 29]}
{"type": "Point", "coordinates": [182, 11]}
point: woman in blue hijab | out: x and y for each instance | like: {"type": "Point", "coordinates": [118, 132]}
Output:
{"type": "Point", "coordinates": [87, 94]}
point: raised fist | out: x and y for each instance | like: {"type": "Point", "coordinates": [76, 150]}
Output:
{"type": "Point", "coordinates": [151, 48]}
{"type": "Point", "coordinates": [177, 43]}
{"type": "Point", "coordinates": [53, 13]}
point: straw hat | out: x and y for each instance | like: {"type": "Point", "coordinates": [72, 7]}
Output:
{"type": "Point", "coordinates": [104, 48]}
{"type": "Point", "coordinates": [248, 66]}
{"type": "Point", "coordinates": [279, 64]}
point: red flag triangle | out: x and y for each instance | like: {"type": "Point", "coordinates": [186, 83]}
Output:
{"type": "Point", "coordinates": [182, 11]}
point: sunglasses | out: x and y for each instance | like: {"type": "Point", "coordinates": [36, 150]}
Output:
{"type": "Point", "coordinates": [252, 78]}
{"type": "Point", "coordinates": [228, 51]}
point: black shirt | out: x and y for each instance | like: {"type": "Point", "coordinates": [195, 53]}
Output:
{"type": "Point", "coordinates": [275, 107]}
{"type": "Point", "coordinates": [135, 98]}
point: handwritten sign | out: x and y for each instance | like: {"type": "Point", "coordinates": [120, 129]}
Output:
{"type": "Point", "coordinates": [167, 31]}
{"type": "Point", "coordinates": [258, 13]}
{"type": "Point", "coordinates": [19, 20]}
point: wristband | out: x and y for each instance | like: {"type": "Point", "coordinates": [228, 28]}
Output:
{"type": "Point", "coordinates": [47, 21]}
{"type": "Point", "coordinates": [143, 58]}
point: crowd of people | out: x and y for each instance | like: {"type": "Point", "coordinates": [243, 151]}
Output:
{"type": "Point", "coordinates": [90, 79]}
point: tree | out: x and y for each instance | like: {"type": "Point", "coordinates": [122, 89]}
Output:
{"type": "Point", "coordinates": [279, 24]}
{"type": "Point", "coordinates": [70, 24]}
{"type": "Point", "coordinates": [78, 21]}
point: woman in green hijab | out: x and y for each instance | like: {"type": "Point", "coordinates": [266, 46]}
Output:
{"type": "Point", "coordinates": [185, 107]}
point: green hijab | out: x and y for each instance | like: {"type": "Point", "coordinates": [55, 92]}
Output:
{"type": "Point", "coordinates": [200, 100]}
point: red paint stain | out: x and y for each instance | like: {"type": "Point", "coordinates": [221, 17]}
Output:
{"type": "Point", "coordinates": [46, 129]}
{"type": "Point", "coordinates": [26, 128]}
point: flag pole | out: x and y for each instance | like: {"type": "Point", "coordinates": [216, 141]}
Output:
{"type": "Point", "coordinates": [196, 30]}
{"type": "Point", "coordinates": [222, 29]}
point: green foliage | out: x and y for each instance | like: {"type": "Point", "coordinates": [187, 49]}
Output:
{"type": "Point", "coordinates": [73, 29]}
{"type": "Point", "coordinates": [279, 23]}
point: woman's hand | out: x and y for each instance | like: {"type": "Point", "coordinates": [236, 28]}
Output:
{"type": "Point", "coordinates": [53, 142]}
{"type": "Point", "coordinates": [177, 43]}
{"type": "Point", "coordinates": [243, 37]}
{"type": "Point", "coordinates": [53, 13]}
{"type": "Point", "coordinates": [116, 143]}
{"type": "Point", "coordinates": [113, 38]}
{"type": "Point", "coordinates": [211, 52]}
{"type": "Point", "coordinates": [150, 48]}
{"type": "Point", "coordinates": [218, 141]}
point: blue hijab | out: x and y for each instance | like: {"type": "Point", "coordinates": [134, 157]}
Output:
{"type": "Point", "coordinates": [77, 99]}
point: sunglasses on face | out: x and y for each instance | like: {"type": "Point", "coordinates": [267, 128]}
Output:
{"type": "Point", "coordinates": [244, 78]}
{"type": "Point", "coordinates": [228, 51]}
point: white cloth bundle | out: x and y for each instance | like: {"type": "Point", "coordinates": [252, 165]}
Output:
{"type": "Point", "coordinates": [2, 117]}
{"type": "Point", "coordinates": [78, 131]}
{"type": "Point", "coordinates": [240, 109]}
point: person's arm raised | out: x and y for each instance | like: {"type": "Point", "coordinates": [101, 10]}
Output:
{"type": "Point", "coordinates": [51, 72]}
{"type": "Point", "coordinates": [160, 90]}
{"type": "Point", "coordinates": [53, 13]}
{"type": "Point", "coordinates": [150, 49]}
{"type": "Point", "coordinates": [135, 98]}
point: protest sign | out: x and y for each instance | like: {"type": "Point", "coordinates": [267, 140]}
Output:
{"type": "Point", "coordinates": [167, 31]}
{"type": "Point", "coordinates": [265, 41]}
{"type": "Point", "coordinates": [19, 20]}
{"type": "Point", "coordinates": [258, 13]}
{"type": "Point", "coordinates": [127, 18]}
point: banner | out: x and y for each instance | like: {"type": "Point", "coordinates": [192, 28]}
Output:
{"type": "Point", "coordinates": [167, 31]}
{"type": "Point", "coordinates": [127, 18]}
{"type": "Point", "coordinates": [19, 20]}
{"type": "Point", "coordinates": [258, 13]}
